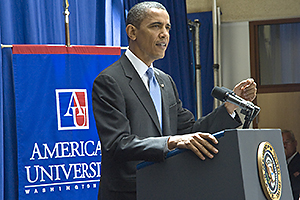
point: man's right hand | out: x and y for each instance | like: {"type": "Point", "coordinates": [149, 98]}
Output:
{"type": "Point", "coordinates": [197, 142]}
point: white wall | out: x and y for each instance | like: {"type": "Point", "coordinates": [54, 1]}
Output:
{"type": "Point", "coordinates": [235, 53]}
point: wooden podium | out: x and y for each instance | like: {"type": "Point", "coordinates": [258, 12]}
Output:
{"type": "Point", "coordinates": [232, 174]}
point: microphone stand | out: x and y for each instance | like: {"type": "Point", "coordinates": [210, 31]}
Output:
{"type": "Point", "coordinates": [250, 114]}
{"type": "Point", "coordinates": [194, 28]}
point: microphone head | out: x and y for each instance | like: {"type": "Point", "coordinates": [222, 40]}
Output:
{"type": "Point", "coordinates": [220, 93]}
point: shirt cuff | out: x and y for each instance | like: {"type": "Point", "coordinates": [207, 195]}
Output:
{"type": "Point", "coordinates": [233, 114]}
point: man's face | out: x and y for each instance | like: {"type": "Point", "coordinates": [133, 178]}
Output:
{"type": "Point", "coordinates": [152, 37]}
{"type": "Point", "coordinates": [290, 146]}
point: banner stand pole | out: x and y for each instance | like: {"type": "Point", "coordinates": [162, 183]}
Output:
{"type": "Point", "coordinates": [10, 46]}
{"type": "Point", "coordinates": [6, 46]}
{"type": "Point", "coordinates": [67, 27]}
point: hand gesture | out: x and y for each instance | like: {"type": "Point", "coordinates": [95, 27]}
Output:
{"type": "Point", "coordinates": [245, 89]}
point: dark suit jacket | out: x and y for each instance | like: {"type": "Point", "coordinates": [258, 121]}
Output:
{"type": "Point", "coordinates": [294, 167]}
{"type": "Point", "coordinates": [128, 125]}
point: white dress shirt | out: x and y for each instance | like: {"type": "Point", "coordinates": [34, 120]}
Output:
{"type": "Point", "coordinates": [139, 66]}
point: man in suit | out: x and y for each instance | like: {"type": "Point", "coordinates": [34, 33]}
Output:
{"type": "Point", "coordinates": [293, 161]}
{"type": "Point", "coordinates": [129, 127]}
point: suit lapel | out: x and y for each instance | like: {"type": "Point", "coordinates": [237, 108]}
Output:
{"type": "Point", "coordinates": [140, 90]}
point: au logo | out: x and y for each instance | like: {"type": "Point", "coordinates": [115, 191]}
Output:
{"type": "Point", "coordinates": [72, 109]}
{"type": "Point", "coordinates": [269, 171]}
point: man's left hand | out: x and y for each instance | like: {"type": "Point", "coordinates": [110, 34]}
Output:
{"type": "Point", "coordinates": [245, 89]}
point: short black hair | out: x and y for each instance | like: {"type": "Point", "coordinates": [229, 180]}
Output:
{"type": "Point", "coordinates": [139, 12]}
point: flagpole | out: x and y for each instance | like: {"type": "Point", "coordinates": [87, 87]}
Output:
{"type": "Point", "coordinates": [67, 27]}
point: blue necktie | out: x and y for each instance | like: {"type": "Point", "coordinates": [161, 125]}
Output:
{"type": "Point", "coordinates": [155, 93]}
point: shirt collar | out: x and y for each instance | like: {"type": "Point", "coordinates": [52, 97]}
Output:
{"type": "Point", "coordinates": [291, 158]}
{"type": "Point", "coordinates": [139, 65]}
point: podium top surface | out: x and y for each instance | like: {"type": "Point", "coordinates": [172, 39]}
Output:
{"type": "Point", "coordinates": [217, 135]}
{"type": "Point", "coordinates": [176, 151]}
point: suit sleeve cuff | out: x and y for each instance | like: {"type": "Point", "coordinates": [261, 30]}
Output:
{"type": "Point", "coordinates": [166, 149]}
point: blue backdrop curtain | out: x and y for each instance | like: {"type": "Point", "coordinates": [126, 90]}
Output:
{"type": "Point", "coordinates": [93, 22]}
{"type": "Point", "coordinates": [1, 132]}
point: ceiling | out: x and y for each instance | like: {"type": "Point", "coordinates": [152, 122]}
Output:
{"type": "Point", "coordinates": [248, 10]}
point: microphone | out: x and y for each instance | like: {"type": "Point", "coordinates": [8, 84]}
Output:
{"type": "Point", "coordinates": [224, 94]}
{"type": "Point", "coordinates": [248, 108]}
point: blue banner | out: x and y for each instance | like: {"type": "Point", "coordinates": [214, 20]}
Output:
{"type": "Point", "coordinates": [59, 152]}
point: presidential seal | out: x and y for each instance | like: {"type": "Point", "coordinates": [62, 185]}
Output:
{"type": "Point", "coordinates": [269, 171]}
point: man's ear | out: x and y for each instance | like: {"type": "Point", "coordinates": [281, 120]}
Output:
{"type": "Point", "coordinates": [131, 32]}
